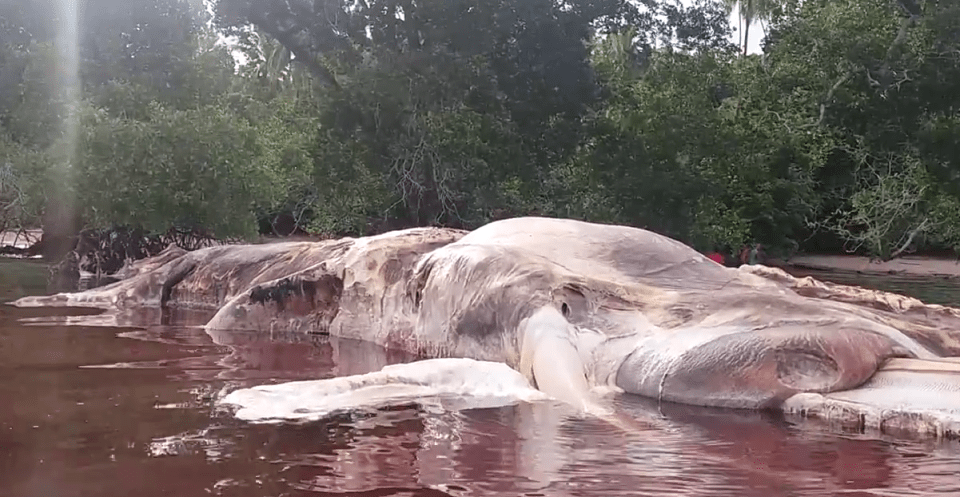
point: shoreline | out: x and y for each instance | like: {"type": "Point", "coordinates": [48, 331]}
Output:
{"type": "Point", "coordinates": [20, 239]}
{"type": "Point", "coordinates": [907, 265]}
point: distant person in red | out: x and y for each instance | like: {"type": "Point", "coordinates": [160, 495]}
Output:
{"type": "Point", "coordinates": [716, 257]}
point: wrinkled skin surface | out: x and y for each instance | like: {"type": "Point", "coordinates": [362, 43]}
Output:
{"type": "Point", "coordinates": [573, 305]}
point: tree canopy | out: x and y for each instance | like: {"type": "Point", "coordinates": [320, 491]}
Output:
{"type": "Point", "coordinates": [355, 116]}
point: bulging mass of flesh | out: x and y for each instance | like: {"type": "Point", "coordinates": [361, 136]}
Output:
{"type": "Point", "coordinates": [573, 306]}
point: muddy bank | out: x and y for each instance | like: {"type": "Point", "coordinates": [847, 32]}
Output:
{"type": "Point", "coordinates": [908, 266]}
{"type": "Point", "coordinates": [19, 240]}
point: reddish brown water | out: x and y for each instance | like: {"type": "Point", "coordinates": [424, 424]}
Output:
{"type": "Point", "coordinates": [98, 411]}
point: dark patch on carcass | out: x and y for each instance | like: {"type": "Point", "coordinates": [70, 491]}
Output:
{"type": "Point", "coordinates": [485, 320]}
{"type": "Point", "coordinates": [281, 292]}
{"type": "Point", "coordinates": [179, 272]}
{"type": "Point", "coordinates": [500, 310]}
{"type": "Point", "coordinates": [574, 304]}
{"type": "Point", "coordinates": [807, 369]}
{"type": "Point", "coordinates": [416, 285]}
{"type": "Point", "coordinates": [319, 298]}
{"type": "Point", "coordinates": [392, 271]}
{"type": "Point", "coordinates": [681, 313]}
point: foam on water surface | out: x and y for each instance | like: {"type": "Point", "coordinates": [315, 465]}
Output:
{"type": "Point", "coordinates": [451, 383]}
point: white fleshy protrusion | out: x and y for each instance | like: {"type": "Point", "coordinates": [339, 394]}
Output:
{"type": "Point", "coordinates": [453, 383]}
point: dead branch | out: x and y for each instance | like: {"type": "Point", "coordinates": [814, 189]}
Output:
{"type": "Point", "coordinates": [829, 97]}
{"type": "Point", "coordinates": [913, 234]}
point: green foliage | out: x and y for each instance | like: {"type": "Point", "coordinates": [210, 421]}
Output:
{"type": "Point", "coordinates": [21, 185]}
{"type": "Point", "coordinates": [355, 117]}
{"type": "Point", "coordinates": [426, 160]}
{"type": "Point", "coordinates": [687, 146]}
{"type": "Point", "coordinates": [156, 146]}
{"type": "Point", "coordinates": [185, 168]}
{"type": "Point", "coordinates": [33, 105]}
{"type": "Point", "coordinates": [348, 193]}
{"type": "Point", "coordinates": [881, 79]}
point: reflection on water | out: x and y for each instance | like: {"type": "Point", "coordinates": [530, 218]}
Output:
{"type": "Point", "coordinates": [19, 277]}
{"type": "Point", "coordinates": [94, 411]}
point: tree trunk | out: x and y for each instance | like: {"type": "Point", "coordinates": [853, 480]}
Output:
{"type": "Point", "coordinates": [740, 28]}
{"type": "Point", "coordinates": [61, 225]}
{"type": "Point", "coordinates": [746, 35]}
